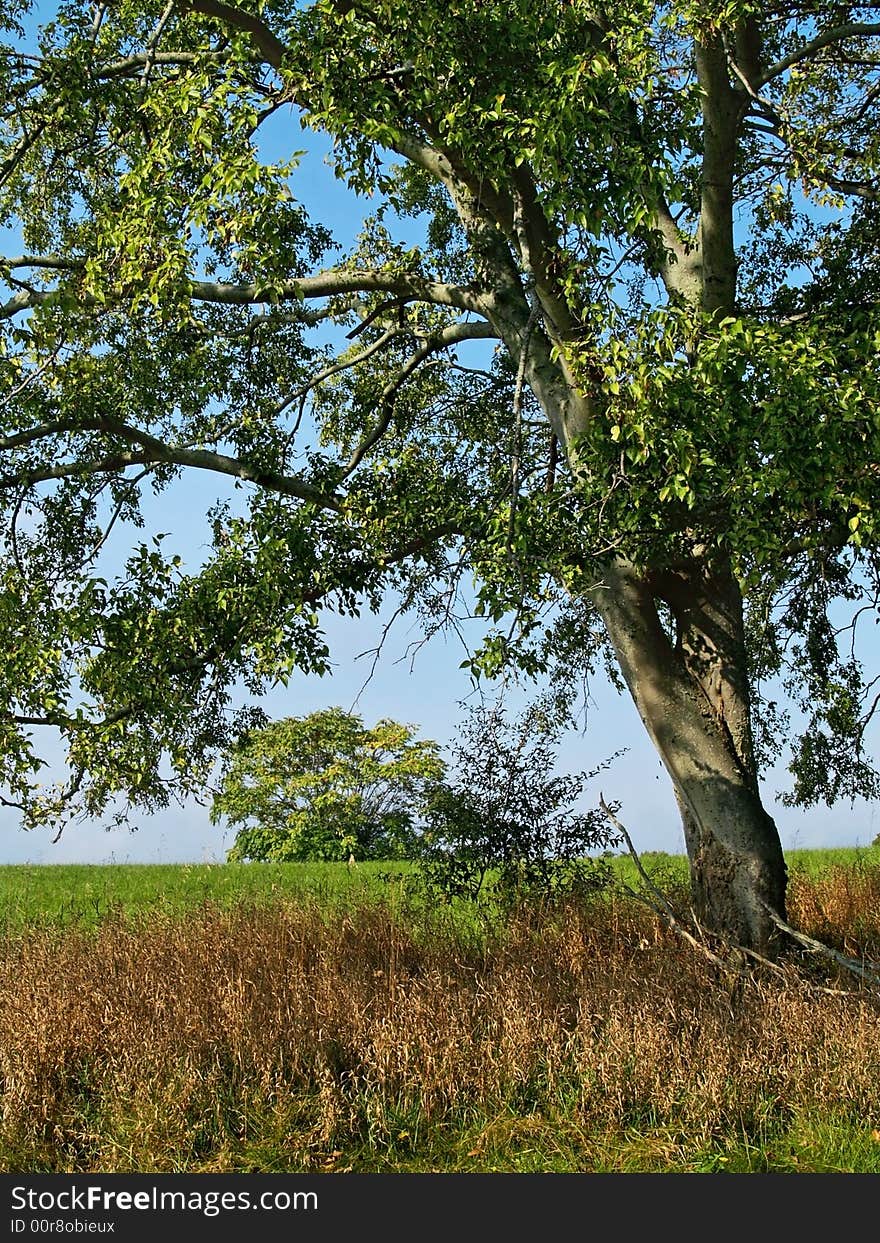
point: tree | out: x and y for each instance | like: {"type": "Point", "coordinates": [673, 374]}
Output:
{"type": "Point", "coordinates": [325, 787]}
{"type": "Point", "coordinates": [663, 217]}
{"type": "Point", "coordinates": [505, 824]}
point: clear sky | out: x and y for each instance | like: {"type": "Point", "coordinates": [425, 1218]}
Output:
{"type": "Point", "coordinates": [426, 690]}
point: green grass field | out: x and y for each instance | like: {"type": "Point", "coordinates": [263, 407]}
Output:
{"type": "Point", "coordinates": [86, 894]}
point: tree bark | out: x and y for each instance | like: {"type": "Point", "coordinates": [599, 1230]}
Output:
{"type": "Point", "coordinates": [689, 682]}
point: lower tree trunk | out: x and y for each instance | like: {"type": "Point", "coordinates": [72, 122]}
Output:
{"type": "Point", "coordinates": [689, 682]}
{"type": "Point", "coordinates": [737, 868]}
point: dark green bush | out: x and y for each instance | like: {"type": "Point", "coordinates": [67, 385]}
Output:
{"type": "Point", "coordinates": [505, 827]}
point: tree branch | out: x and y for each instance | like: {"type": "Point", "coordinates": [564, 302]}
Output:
{"type": "Point", "coordinates": [157, 452]}
{"type": "Point", "coordinates": [541, 254]}
{"type": "Point", "coordinates": [835, 35]}
{"type": "Point", "coordinates": [335, 368]}
{"type": "Point", "coordinates": [407, 287]}
{"type": "Point", "coordinates": [268, 44]}
{"type": "Point", "coordinates": [141, 60]}
{"type": "Point", "coordinates": [452, 335]}
{"type": "Point", "coordinates": [870, 973]}
{"type": "Point", "coordinates": [721, 113]}
{"type": "Point", "coordinates": [10, 263]}
{"type": "Point", "coordinates": [677, 274]}
{"type": "Point", "coordinates": [457, 177]}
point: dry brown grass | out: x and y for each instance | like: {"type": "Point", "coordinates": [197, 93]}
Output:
{"type": "Point", "coordinates": [284, 1039]}
{"type": "Point", "coordinates": [841, 905]}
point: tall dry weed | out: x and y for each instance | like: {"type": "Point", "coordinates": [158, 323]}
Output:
{"type": "Point", "coordinates": [271, 1038]}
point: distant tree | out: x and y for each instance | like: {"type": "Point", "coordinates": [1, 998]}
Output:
{"type": "Point", "coordinates": [325, 787]}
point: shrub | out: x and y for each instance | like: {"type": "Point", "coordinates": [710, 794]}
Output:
{"type": "Point", "coordinates": [505, 827]}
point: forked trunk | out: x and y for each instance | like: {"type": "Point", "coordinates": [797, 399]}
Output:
{"type": "Point", "coordinates": [690, 685]}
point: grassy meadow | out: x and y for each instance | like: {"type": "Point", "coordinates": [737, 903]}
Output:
{"type": "Point", "coordinates": [87, 894]}
{"type": "Point", "coordinates": [263, 1018]}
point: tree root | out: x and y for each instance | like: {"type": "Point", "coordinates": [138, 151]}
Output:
{"type": "Point", "coordinates": [867, 972]}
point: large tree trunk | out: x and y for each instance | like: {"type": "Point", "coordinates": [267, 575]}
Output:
{"type": "Point", "coordinates": [689, 682]}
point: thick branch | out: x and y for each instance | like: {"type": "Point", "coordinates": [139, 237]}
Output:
{"type": "Point", "coordinates": [140, 61]}
{"type": "Point", "coordinates": [679, 266]}
{"type": "Point", "coordinates": [835, 35]}
{"type": "Point", "coordinates": [268, 44]}
{"type": "Point", "coordinates": [407, 287]}
{"type": "Point", "coordinates": [540, 252]}
{"type": "Point", "coordinates": [449, 168]}
{"type": "Point", "coordinates": [30, 436]}
{"type": "Point", "coordinates": [720, 113]}
{"type": "Point", "coordinates": [155, 451]}
{"type": "Point", "coordinates": [410, 287]}
{"type": "Point", "coordinates": [858, 189]}
{"type": "Point", "coordinates": [59, 262]}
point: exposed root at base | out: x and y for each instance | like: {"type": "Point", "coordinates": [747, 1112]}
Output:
{"type": "Point", "coordinates": [867, 971]}
{"type": "Point", "coordinates": [655, 900]}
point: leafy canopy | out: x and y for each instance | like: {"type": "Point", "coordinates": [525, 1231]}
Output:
{"type": "Point", "coordinates": [324, 787]}
{"type": "Point", "coordinates": [173, 309]}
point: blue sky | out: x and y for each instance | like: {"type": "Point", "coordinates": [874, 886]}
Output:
{"type": "Point", "coordinates": [425, 690]}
